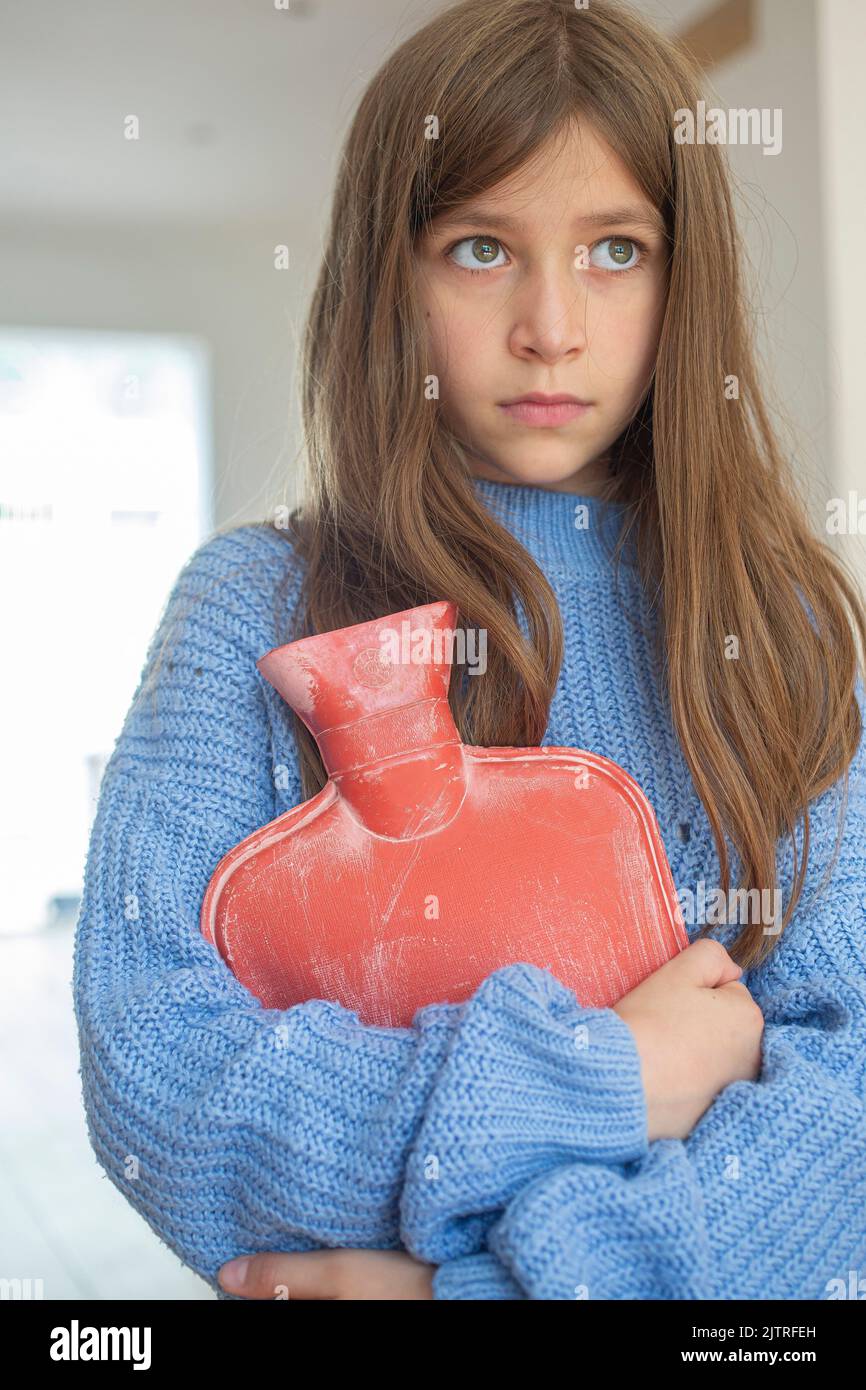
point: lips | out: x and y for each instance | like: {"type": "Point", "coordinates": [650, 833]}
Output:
{"type": "Point", "coordinates": [545, 411]}
{"type": "Point", "coordinates": [539, 398]}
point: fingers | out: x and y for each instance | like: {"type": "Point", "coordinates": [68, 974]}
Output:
{"type": "Point", "coordinates": [707, 963]}
{"type": "Point", "coordinates": [311, 1274]}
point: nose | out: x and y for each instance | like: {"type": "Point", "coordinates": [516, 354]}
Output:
{"type": "Point", "coordinates": [549, 309]}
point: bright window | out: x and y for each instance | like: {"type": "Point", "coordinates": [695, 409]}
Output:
{"type": "Point", "coordinates": [105, 491]}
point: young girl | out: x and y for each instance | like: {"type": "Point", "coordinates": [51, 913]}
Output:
{"type": "Point", "coordinates": [514, 219]}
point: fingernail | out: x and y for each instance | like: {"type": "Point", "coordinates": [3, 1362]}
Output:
{"type": "Point", "coordinates": [233, 1275]}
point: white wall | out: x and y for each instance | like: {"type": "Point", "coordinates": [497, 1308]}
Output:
{"type": "Point", "coordinates": [842, 110]}
{"type": "Point", "coordinates": [777, 198]}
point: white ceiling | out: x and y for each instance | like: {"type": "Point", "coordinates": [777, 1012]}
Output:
{"type": "Point", "coordinates": [239, 104]}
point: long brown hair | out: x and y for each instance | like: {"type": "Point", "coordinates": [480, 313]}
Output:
{"type": "Point", "coordinates": [389, 518]}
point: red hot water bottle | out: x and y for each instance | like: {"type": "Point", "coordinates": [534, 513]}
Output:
{"type": "Point", "coordinates": [424, 864]}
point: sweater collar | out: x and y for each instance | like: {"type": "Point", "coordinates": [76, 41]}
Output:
{"type": "Point", "coordinates": [565, 529]}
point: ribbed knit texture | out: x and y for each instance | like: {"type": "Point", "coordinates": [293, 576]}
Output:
{"type": "Point", "coordinates": [482, 1138]}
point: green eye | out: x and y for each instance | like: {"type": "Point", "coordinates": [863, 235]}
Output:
{"type": "Point", "coordinates": [482, 251]}
{"type": "Point", "coordinates": [623, 252]}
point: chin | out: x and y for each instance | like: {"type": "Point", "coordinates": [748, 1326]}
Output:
{"type": "Point", "coordinates": [563, 479]}
{"type": "Point", "coordinates": [530, 468]}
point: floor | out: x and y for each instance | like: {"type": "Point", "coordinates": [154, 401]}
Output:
{"type": "Point", "coordinates": [61, 1220]}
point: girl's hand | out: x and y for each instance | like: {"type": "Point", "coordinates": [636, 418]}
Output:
{"type": "Point", "coordinates": [697, 1029]}
{"type": "Point", "coordinates": [331, 1274]}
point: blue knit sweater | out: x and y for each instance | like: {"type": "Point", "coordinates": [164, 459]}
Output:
{"type": "Point", "coordinates": [235, 1129]}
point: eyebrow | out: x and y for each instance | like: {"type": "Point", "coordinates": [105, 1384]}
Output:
{"type": "Point", "coordinates": [632, 215]}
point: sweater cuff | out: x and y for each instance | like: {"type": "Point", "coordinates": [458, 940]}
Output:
{"type": "Point", "coordinates": [534, 1082]}
{"type": "Point", "coordinates": [613, 1106]}
{"type": "Point", "coordinates": [480, 1277]}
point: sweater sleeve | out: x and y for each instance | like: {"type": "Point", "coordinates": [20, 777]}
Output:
{"type": "Point", "coordinates": [232, 1128]}
{"type": "Point", "coordinates": [766, 1198]}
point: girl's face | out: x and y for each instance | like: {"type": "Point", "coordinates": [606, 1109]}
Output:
{"type": "Point", "coordinates": [553, 282]}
